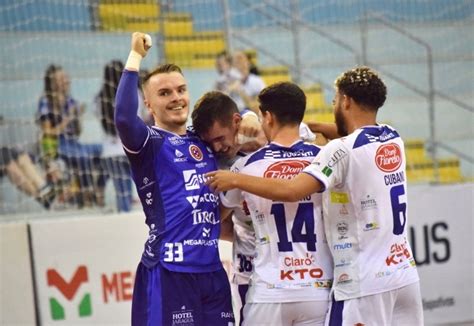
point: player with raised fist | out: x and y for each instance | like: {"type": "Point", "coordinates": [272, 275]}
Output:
{"type": "Point", "coordinates": [180, 279]}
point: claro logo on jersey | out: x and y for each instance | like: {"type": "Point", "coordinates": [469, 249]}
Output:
{"type": "Point", "coordinates": [69, 291]}
{"type": "Point", "coordinates": [388, 157]}
{"type": "Point", "coordinates": [285, 169]}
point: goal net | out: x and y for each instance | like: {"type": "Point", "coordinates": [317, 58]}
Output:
{"type": "Point", "coordinates": [422, 49]}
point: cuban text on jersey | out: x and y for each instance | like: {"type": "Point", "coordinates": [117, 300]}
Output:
{"type": "Point", "coordinates": [292, 261]}
{"type": "Point", "coordinates": [365, 206]}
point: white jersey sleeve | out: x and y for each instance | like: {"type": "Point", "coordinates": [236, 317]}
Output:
{"type": "Point", "coordinates": [334, 161]}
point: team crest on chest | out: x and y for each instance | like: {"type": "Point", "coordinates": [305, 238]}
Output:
{"type": "Point", "coordinates": [195, 152]}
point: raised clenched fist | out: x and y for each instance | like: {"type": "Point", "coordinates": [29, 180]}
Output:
{"type": "Point", "coordinates": [141, 43]}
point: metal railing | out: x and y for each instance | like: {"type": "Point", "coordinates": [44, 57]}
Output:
{"type": "Point", "coordinates": [360, 57]}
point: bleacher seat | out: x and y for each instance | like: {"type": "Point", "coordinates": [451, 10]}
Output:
{"type": "Point", "coordinates": [127, 16]}
{"type": "Point", "coordinates": [195, 50]}
{"type": "Point", "coordinates": [415, 150]}
{"type": "Point", "coordinates": [271, 75]}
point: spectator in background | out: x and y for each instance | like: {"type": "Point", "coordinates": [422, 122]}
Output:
{"type": "Point", "coordinates": [245, 90]}
{"type": "Point", "coordinates": [25, 176]}
{"type": "Point", "coordinates": [226, 73]}
{"type": "Point", "coordinates": [115, 163]}
{"type": "Point", "coordinates": [253, 67]}
{"type": "Point", "coordinates": [59, 116]}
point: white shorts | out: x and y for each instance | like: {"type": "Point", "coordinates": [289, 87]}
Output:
{"type": "Point", "coordinates": [286, 313]}
{"type": "Point", "coordinates": [402, 307]}
{"type": "Point", "coordinates": [239, 292]}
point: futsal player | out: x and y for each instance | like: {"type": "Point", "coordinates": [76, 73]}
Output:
{"type": "Point", "coordinates": [180, 279]}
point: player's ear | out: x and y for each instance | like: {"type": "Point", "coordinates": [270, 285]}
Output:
{"type": "Point", "coordinates": [346, 101]}
{"type": "Point", "coordinates": [267, 117]}
{"type": "Point", "coordinates": [236, 118]}
{"type": "Point", "coordinates": [148, 106]}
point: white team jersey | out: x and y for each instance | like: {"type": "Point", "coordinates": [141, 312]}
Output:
{"type": "Point", "coordinates": [243, 246]}
{"type": "Point", "coordinates": [365, 211]}
{"type": "Point", "coordinates": [292, 261]}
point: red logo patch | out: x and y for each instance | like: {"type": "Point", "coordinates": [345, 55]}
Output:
{"type": "Point", "coordinates": [195, 152]}
{"type": "Point", "coordinates": [285, 169]}
{"type": "Point", "coordinates": [388, 157]}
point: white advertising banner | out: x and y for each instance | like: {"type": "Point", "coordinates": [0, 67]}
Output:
{"type": "Point", "coordinates": [17, 304]}
{"type": "Point", "coordinates": [441, 235]}
{"type": "Point", "coordinates": [85, 268]}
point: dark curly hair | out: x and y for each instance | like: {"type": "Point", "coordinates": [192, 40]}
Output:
{"type": "Point", "coordinates": [364, 86]}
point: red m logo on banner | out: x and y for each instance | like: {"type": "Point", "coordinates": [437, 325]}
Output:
{"type": "Point", "coordinates": [68, 289]}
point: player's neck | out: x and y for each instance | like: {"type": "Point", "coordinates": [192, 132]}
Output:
{"type": "Point", "coordinates": [175, 129]}
{"type": "Point", "coordinates": [285, 136]}
{"type": "Point", "coordinates": [362, 119]}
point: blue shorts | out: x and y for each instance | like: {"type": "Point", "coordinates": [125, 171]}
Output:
{"type": "Point", "coordinates": [162, 297]}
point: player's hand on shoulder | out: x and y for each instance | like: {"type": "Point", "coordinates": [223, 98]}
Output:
{"type": "Point", "coordinates": [140, 43]}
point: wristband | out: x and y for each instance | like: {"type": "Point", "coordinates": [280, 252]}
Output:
{"type": "Point", "coordinates": [133, 61]}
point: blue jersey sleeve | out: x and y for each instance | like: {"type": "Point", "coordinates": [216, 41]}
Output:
{"type": "Point", "coordinates": [131, 129]}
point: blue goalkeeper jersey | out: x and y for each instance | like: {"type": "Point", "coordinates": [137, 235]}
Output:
{"type": "Point", "coordinates": [181, 211]}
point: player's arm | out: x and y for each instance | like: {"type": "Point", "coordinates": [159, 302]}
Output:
{"type": "Point", "coordinates": [275, 189]}
{"type": "Point", "coordinates": [132, 130]}
{"type": "Point", "coordinates": [227, 226]}
{"type": "Point", "coordinates": [328, 130]}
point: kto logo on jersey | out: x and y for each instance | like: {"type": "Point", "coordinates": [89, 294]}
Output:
{"type": "Point", "coordinates": [69, 291]}
{"type": "Point", "coordinates": [285, 169]}
{"type": "Point", "coordinates": [301, 274]}
{"type": "Point", "coordinates": [192, 180]}
{"type": "Point", "coordinates": [398, 253]}
{"type": "Point", "coordinates": [388, 157]}
{"type": "Point", "coordinates": [195, 152]}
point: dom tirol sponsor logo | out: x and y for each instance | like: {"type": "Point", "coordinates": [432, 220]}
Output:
{"type": "Point", "coordinates": [430, 243]}
{"type": "Point", "coordinates": [285, 169]}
